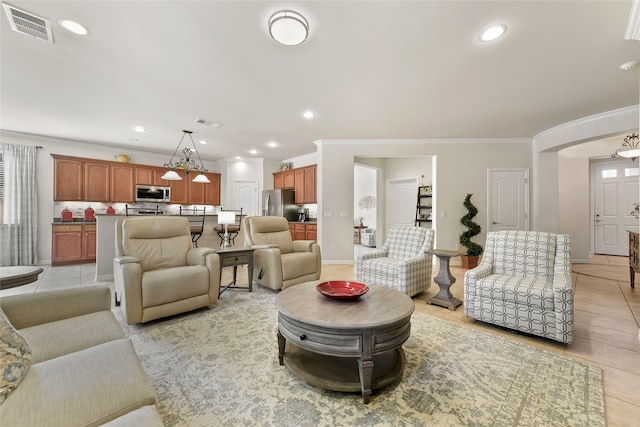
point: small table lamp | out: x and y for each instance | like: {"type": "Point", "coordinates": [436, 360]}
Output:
{"type": "Point", "coordinates": [225, 218]}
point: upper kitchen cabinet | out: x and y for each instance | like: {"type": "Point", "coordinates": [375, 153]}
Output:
{"type": "Point", "coordinates": [180, 189]}
{"type": "Point", "coordinates": [150, 175]}
{"type": "Point", "coordinates": [122, 183]}
{"type": "Point", "coordinates": [284, 179]}
{"type": "Point", "coordinates": [67, 179]}
{"type": "Point", "coordinates": [212, 190]}
{"type": "Point", "coordinates": [305, 185]}
{"type": "Point", "coordinates": [96, 181]}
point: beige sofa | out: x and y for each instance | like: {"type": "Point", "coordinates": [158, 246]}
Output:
{"type": "Point", "coordinates": [83, 371]}
{"type": "Point", "coordinates": [278, 260]}
{"type": "Point", "coordinates": [158, 273]}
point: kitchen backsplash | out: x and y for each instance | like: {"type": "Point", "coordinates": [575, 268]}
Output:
{"type": "Point", "coordinates": [77, 208]}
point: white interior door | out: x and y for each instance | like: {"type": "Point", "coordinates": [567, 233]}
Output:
{"type": "Point", "coordinates": [615, 192]}
{"type": "Point", "coordinates": [245, 196]}
{"type": "Point", "coordinates": [508, 204]}
{"type": "Point", "coordinates": [401, 202]}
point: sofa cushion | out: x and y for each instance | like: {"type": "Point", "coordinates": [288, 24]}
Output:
{"type": "Point", "coordinates": [146, 416]}
{"type": "Point", "coordinates": [53, 339]}
{"type": "Point", "coordinates": [523, 290]}
{"type": "Point", "coordinates": [296, 264]}
{"type": "Point", "coordinates": [86, 388]}
{"type": "Point", "coordinates": [15, 357]}
{"type": "Point", "coordinates": [174, 284]}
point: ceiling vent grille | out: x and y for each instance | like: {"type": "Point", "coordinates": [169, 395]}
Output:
{"type": "Point", "coordinates": [208, 123]}
{"type": "Point", "coordinates": [29, 24]}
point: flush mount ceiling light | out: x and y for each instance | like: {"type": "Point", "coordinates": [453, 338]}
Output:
{"type": "Point", "coordinates": [492, 33]}
{"type": "Point", "coordinates": [630, 148]}
{"type": "Point", "coordinates": [627, 66]}
{"type": "Point", "coordinates": [288, 27]}
{"type": "Point", "coordinates": [308, 115]}
{"type": "Point", "coordinates": [186, 163]}
{"type": "Point", "coordinates": [73, 26]}
{"type": "Point", "coordinates": [139, 129]}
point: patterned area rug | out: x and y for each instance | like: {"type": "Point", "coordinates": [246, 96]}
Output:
{"type": "Point", "coordinates": [219, 367]}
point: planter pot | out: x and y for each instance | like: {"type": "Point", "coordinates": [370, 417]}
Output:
{"type": "Point", "coordinates": [469, 261]}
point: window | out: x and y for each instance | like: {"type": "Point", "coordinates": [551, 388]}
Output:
{"type": "Point", "coordinates": [610, 173]}
{"type": "Point", "coordinates": [631, 171]}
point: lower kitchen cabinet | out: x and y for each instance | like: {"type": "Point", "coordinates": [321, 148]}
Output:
{"type": "Point", "coordinates": [73, 243]}
{"type": "Point", "coordinates": [303, 231]}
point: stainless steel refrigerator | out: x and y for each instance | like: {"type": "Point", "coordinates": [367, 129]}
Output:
{"type": "Point", "coordinates": [279, 203]}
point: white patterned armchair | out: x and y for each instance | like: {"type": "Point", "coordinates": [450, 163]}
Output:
{"type": "Point", "coordinates": [523, 283]}
{"type": "Point", "coordinates": [402, 263]}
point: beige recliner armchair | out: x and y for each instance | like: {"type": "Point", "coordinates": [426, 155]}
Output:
{"type": "Point", "coordinates": [278, 260]}
{"type": "Point", "coordinates": [158, 273]}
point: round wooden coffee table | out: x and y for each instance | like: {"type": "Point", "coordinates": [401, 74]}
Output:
{"type": "Point", "coordinates": [344, 345]}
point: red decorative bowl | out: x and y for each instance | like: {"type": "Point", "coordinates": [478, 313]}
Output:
{"type": "Point", "coordinates": [342, 289]}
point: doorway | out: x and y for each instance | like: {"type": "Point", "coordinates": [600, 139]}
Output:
{"type": "Point", "coordinates": [615, 191]}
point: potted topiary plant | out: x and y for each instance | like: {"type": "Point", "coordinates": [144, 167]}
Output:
{"type": "Point", "coordinates": [474, 250]}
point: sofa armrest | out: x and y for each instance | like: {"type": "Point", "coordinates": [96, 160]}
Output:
{"type": "Point", "coordinates": [372, 255]}
{"type": "Point", "coordinates": [126, 260]}
{"type": "Point", "coordinates": [303, 245]}
{"type": "Point", "coordinates": [269, 246]}
{"type": "Point", "coordinates": [198, 256]}
{"type": "Point", "coordinates": [32, 309]}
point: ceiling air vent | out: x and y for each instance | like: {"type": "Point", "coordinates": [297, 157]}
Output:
{"type": "Point", "coordinates": [27, 23]}
{"type": "Point", "coordinates": [208, 123]}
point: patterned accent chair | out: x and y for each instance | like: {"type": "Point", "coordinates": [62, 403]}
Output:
{"type": "Point", "coordinates": [524, 283]}
{"type": "Point", "coordinates": [402, 263]}
{"type": "Point", "coordinates": [278, 260]}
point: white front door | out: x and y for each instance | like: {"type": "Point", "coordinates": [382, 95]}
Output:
{"type": "Point", "coordinates": [245, 196]}
{"type": "Point", "coordinates": [402, 195]}
{"type": "Point", "coordinates": [615, 192]}
{"type": "Point", "coordinates": [508, 204]}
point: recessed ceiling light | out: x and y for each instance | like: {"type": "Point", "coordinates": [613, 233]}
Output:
{"type": "Point", "coordinates": [73, 26]}
{"type": "Point", "coordinates": [253, 151]}
{"type": "Point", "coordinates": [492, 33]}
{"type": "Point", "coordinates": [309, 115]}
{"type": "Point", "coordinates": [140, 129]}
{"type": "Point", "coordinates": [202, 141]}
{"type": "Point", "coordinates": [238, 157]}
{"type": "Point", "coordinates": [630, 65]}
{"type": "Point", "coordinates": [273, 144]}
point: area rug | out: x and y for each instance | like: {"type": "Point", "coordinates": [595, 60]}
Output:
{"type": "Point", "coordinates": [219, 367]}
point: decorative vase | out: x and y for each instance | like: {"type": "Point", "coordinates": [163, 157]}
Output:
{"type": "Point", "coordinates": [122, 158]}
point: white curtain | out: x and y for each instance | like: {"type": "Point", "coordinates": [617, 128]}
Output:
{"type": "Point", "coordinates": [20, 206]}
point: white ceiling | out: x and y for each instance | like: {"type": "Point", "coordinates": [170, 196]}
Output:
{"type": "Point", "coordinates": [369, 69]}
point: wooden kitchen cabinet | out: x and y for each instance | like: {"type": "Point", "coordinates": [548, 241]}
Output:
{"type": "Point", "coordinates": [284, 179]}
{"type": "Point", "coordinates": [303, 231]}
{"type": "Point", "coordinates": [212, 190]}
{"type": "Point", "coordinates": [96, 182]}
{"type": "Point", "coordinates": [122, 184]}
{"type": "Point", "coordinates": [73, 243]}
{"type": "Point", "coordinates": [67, 179]}
{"type": "Point", "coordinates": [150, 175]}
{"type": "Point", "coordinates": [305, 185]}
{"type": "Point", "coordinates": [311, 232]}
{"type": "Point", "coordinates": [180, 189]}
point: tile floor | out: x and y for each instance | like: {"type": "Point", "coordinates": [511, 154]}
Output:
{"type": "Point", "coordinates": [607, 319]}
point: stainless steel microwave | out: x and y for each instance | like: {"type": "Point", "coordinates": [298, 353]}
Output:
{"type": "Point", "coordinates": [150, 193]}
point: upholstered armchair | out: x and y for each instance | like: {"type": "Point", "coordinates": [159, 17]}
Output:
{"type": "Point", "coordinates": [278, 260]}
{"type": "Point", "coordinates": [157, 272]}
{"type": "Point", "coordinates": [524, 283]}
{"type": "Point", "coordinates": [402, 263]}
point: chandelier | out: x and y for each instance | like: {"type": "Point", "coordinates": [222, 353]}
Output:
{"type": "Point", "coordinates": [186, 163]}
{"type": "Point", "coordinates": [629, 148]}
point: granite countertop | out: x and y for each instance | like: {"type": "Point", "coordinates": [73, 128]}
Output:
{"type": "Point", "coordinates": [74, 221]}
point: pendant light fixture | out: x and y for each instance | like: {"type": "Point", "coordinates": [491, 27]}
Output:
{"type": "Point", "coordinates": [630, 148]}
{"type": "Point", "coordinates": [288, 27]}
{"type": "Point", "coordinates": [186, 163]}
